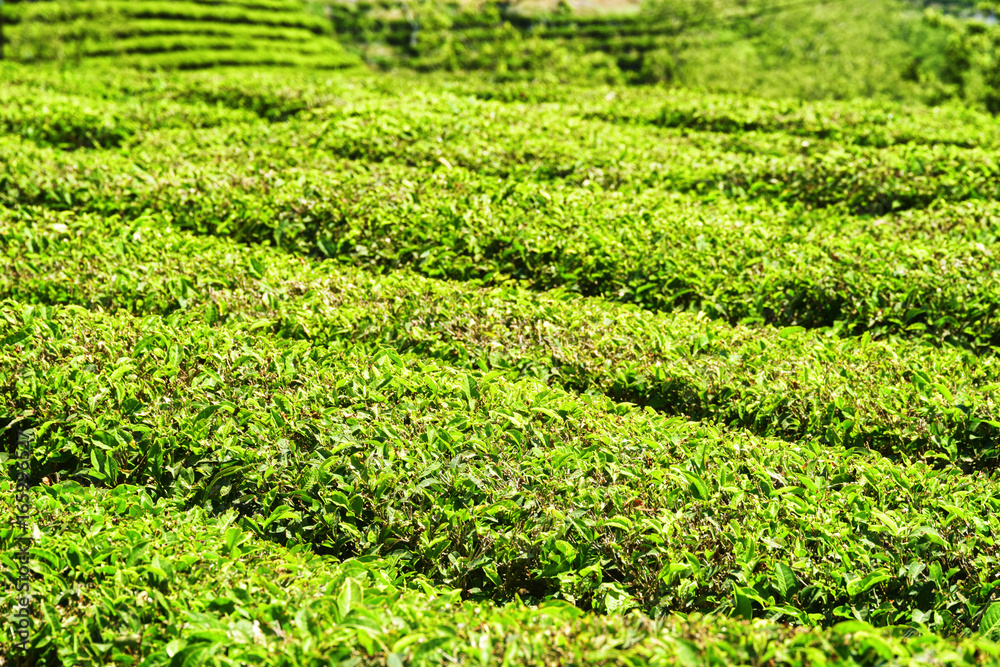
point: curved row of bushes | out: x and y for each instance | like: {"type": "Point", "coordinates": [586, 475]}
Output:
{"type": "Point", "coordinates": [156, 34]}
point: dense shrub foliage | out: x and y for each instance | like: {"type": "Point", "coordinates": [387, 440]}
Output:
{"type": "Point", "coordinates": [344, 370]}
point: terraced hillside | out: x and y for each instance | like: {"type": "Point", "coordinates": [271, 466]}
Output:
{"type": "Point", "coordinates": [769, 48]}
{"type": "Point", "coordinates": [351, 370]}
{"type": "Point", "coordinates": [175, 34]}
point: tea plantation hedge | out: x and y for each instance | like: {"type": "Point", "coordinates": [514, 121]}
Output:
{"type": "Point", "coordinates": [346, 370]}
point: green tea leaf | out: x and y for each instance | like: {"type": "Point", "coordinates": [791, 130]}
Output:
{"type": "Point", "coordinates": [15, 338]}
{"type": "Point", "coordinates": [989, 626]}
{"type": "Point", "coordinates": [351, 596]}
{"type": "Point", "coordinates": [256, 268]}
{"type": "Point", "coordinates": [786, 583]}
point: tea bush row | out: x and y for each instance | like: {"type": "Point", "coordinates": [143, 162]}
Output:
{"type": "Point", "coordinates": [209, 590]}
{"type": "Point", "coordinates": [736, 260]}
{"type": "Point", "coordinates": [899, 398]}
{"type": "Point", "coordinates": [492, 486]}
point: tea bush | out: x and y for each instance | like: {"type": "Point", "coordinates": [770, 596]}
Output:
{"type": "Point", "coordinates": [361, 370]}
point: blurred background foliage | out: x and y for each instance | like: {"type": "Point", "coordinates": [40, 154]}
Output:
{"type": "Point", "coordinates": [904, 50]}
{"type": "Point", "coordinates": [844, 49]}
